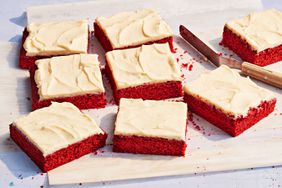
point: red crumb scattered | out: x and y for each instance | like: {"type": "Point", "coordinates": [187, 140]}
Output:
{"type": "Point", "coordinates": [177, 59]}
{"type": "Point", "coordinates": [193, 122]}
{"type": "Point", "coordinates": [95, 153]}
{"type": "Point", "coordinates": [41, 174]}
{"type": "Point", "coordinates": [181, 55]}
{"type": "Point", "coordinates": [175, 49]}
{"type": "Point", "coordinates": [185, 52]}
{"type": "Point", "coordinates": [184, 65]}
{"type": "Point", "coordinates": [220, 44]}
{"type": "Point", "coordinates": [182, 76]}
{"type": "Point", "coordinates": [190, 67]}
{"type": "Point", "coordinates": [220, 54]}
{"type": "Point", "coordinates": [197, 127]}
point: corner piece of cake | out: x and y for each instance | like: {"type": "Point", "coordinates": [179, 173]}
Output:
{"type": "Point", "coordinates": [151, 127]}
{"type": "Point", "coordinates": [229, 101]}
{"type": "Point", "coordinates": [256, 38]}
{"type": "Point", "coordinates": [56, 135]}
{"type": "Point", "coordinates": [132, 29]}
{"type": "Point", "coordinates": [74, 78]}
{"type": "Point", "coordinates": [147, 72]}
{"type": "Point", "coordinates": [52, 39]}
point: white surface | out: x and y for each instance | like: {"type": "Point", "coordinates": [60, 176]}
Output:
{"type": "Point", "coordinates": [15, 163]}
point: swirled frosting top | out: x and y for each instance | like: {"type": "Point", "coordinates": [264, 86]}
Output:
{"type": "Point", "coordinates": [57, 126]}
{"type": "Point", "coordinates": [134, 28]}
{"type": "Point", "coordinates": [262, 30]}
{"type": "Point", "coordinates": [225, 89]}
{"type": "Point", "coordinates": [150, 118]}
{"type": "Point", "coordinates": [56, 38]}
{"type": "Point", "coordinates": [146, 64]}
{"type": "Point", "coordinates": [64, 76]}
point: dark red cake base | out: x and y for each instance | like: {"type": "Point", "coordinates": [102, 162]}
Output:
{"type": "Point", "coordinates": [229, 124]}
{"type": "Point", "coordinates": [245, 51]}
{"type": "Point", "coordinates": [81, 101]}
{"type": "Point", "coordinates": [60, 157]}
{"type": "Point", "coordinates": [25, 62]}
{"type": "Point", "coordinates": [158, 91]}
{"type": "Point", "coordinates": [148, 145]}
{"type": "Point", "coordinates": [104, 40]}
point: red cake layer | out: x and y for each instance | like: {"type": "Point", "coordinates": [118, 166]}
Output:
{"type": "Point", "coordinates": [105, 42]}
{"type": "Point", "coordinates": [148, 145]}
{"type": "Point", "coordinates": [245, 51]}
{"type": "Point", "coordinates": [60, 157]}
{"type": "Point", "coordinates": [228, 123]}
{"type": "Point", "coordinates": [157, 91]}
{"type": "Point", "coordinates": [81, 101]}
{"type": "Point", "coordinates": [25, 62]}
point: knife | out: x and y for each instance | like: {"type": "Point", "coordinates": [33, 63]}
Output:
{"type": "Point", "coordinates": [248, 69]}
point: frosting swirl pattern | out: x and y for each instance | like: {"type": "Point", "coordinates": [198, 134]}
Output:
{"type": "Point", "coordinates": [56, 38]}
{"type": "Point", "coordinates": [151, 119]}
{"type": "Point", "coordinates": [57, 126]}
{"type": "Point", "coordinates": [134, 28]}
{"type": "Point", "coordinates": [228, 91]}
{"type": "Point", "coordinates": [146, 64]}
{"type": "Point", "coordinates": [261, 30]}
{"type": "Point", "coordinates": [70, 75]}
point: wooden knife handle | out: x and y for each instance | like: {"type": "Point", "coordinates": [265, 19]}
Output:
{"type": "Point", "coordinates": [262, 74]}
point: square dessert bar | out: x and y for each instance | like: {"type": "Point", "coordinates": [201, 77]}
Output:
{"type": "Point", "coordinates": [42, 40]}
{"type": "Point", "coordinates": [151, 127]}
{"type": "Point", "coordinates": [55, 135]}
{"type": "Point", "coordinates": [74, 78]}
{"type": "Point", "coordinates": [147, 72]}
{"type": "Point", "coordinates": [229, 101]}
{"type": "Point", "coordinates": [132, 29]}
{"type": "Point", "coordinates": [256, 38]}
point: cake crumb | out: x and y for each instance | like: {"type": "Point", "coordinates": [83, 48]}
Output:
{"type": "Point", "coordinates": [190, 67]}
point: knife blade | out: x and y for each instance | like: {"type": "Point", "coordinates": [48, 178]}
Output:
{"type": "Point", "coordinates": [207, 51]}
{"type": "Point", "coordinates": [252, 70]}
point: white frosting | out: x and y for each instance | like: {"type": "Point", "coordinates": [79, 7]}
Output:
{"type": "Point", "coordinates": [228, 91]}
{"type": "Point", "coordinates": [261, 30]}
{"type": "Point", "coordinates": [146, 64]}
{"type": "Point", "coordinates": [134, 28]}
{"type": "Point", "coordinates": [56, 38]}
{"type": "Point", "coordinates": [57, 126]}
{"type": "Point", "coordinates": [149, 118]}
{"type": "Point", "coordinates": [70, 75]}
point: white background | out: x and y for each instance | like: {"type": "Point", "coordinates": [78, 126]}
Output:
{"type": "Point", "coordinates": [12, 21]}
